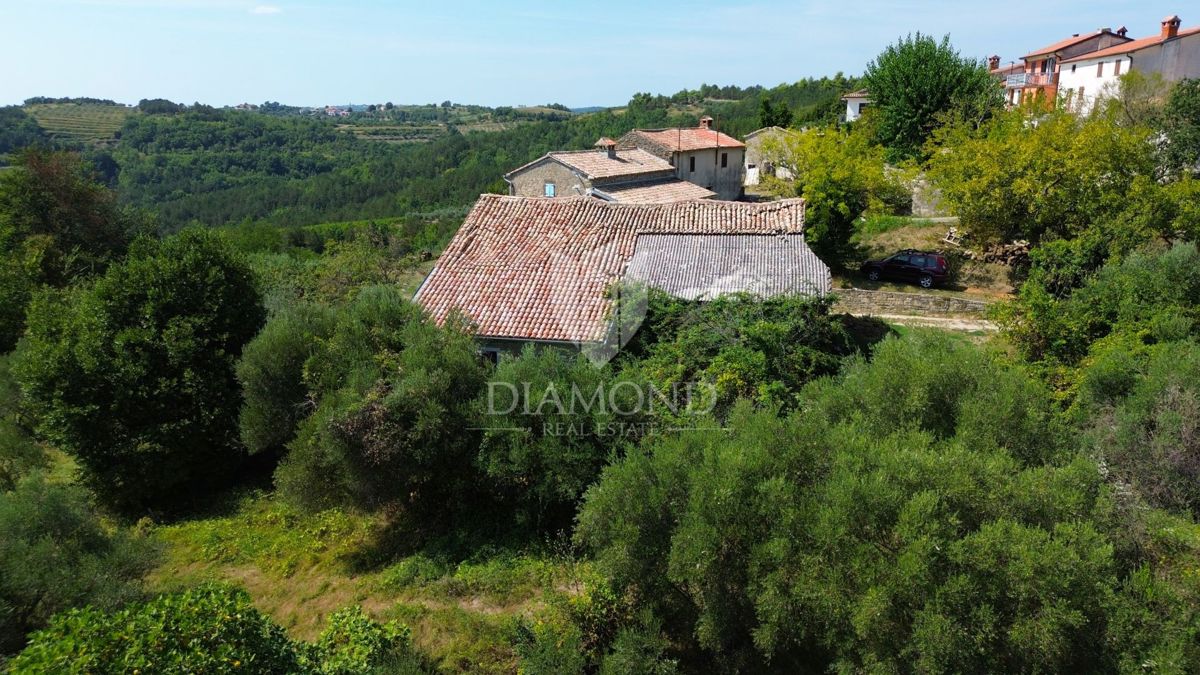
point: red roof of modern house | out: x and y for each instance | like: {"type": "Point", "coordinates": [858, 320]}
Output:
{"type": "Point", "coordinates": [540, 268]}
{"type": "Point", "coordinates": [1009, 69]}
{"type": "Point", "coordinates": [1134, 45]}
{"type": "Point", "coordinates": [596, 164]}
{"type": "Point", "coordinates": [860, 93]}
{"type": "Point", "coordinates": [1063, 44]}
{"type": "Point", "coordinates": [664, 191]}
{"type": "Point", "coordinates": [684, 140]}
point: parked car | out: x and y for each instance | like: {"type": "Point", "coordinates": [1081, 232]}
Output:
{"type": "Point", "coordinates": [926, 269]}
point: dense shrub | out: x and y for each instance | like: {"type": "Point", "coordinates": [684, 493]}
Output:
{"type": "Point", "coordinates": [57, 225]}
{"type": "Point", "coordinates": [211, 629]}
{"type": "Point", "coordinates": [740, 346]}
{"type": "Point", "coordinates": [134, 374]}
{"type": "Point", "coordinates": [271, 372]}
{"type": "Point", "coordinates": [551, 420]}
{"type": "Point", "coordinates": [55, 554]}
{"type": "Point", "coordinates": [394, 396]}
{"type": "Point", "coordinates": [906, 517]}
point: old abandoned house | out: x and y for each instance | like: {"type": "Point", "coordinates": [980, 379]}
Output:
{"type": "Point", "coordinates": [541, 270]}
{"type": "Point", "coordinates": [700, 155]}
{"type": "Point", "coordinates": [628, 175]}
{"type": "Point", "coordinates": [762, 149]}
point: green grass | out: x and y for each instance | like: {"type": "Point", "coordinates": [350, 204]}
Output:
{"type": "Point", "coordinates": [301, 567]}
{"type": "Point", "coordinates": [86, 123]}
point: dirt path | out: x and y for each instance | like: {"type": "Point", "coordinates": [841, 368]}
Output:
{"type": "Point", "coordinates": [965, 325]}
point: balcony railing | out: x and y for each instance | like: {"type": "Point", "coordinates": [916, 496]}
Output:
{"type": "Point", "coordinates": [1029, 80]}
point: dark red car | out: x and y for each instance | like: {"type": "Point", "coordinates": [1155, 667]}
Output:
{"type": "Point", "coordinates": [926, 269]}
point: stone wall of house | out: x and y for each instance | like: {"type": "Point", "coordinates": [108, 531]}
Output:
{"type": "Point", "coordinates": [531, 182]}
{"type": "Point", "coordinates": [725, 181]}
{"type": "Point", "coordinates": [858, 301]}
{"type": "Point", "coordinates": [927, 200]}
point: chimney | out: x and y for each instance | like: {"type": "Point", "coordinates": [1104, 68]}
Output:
{"type": "Point", "coordinates": [608, 146]}
{"type": "Point", "coordinates": [993, 62]}
{"type": "Point", "coordinates": [706, 122]}
{"type": "Point", "coordinates": [1122, 31]}
{"type": "Point", "coordinates": [1170, 27]}
{"type": "Point", "coordinates": [1105, 29]}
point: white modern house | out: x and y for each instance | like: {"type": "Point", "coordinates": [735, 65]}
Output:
{"type": "Point", "coordinates": [856, 103]}
{"type": "Point", "coordinates": [1173, 53]}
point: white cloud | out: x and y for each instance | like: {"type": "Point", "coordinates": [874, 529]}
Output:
{"type": "Point", "coordinates": [266, 9]}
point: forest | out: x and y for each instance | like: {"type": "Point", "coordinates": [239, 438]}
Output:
{"type": "Point", "coordinates": [230, 442]}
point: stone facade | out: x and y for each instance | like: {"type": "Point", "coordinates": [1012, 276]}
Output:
{"type": "Point", "coordinates": [532, 181]}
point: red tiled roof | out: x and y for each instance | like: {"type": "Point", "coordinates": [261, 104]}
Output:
{"type": "Point", "coordinates": [685, 140]}
{"type": "Point", "coordinates": [1132, 46]}
{"type": "Point", "coordinates": [597, 164]}
{"type": "Point", "coordinates": [1062, 44]}
{"type": "Point", "coordinates": [539, 269]}
{"type": "Point", "coordinates": [654, 192]}
{"type": "Point", "coordinates": [860, 93]}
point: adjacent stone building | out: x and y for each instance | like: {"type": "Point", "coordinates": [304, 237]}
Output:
{"type": "Point", "coordinates": [625, 175]}
{"type": "Point", "coordinates": [759, 163]}
{"type": "Point", "coordinates": [700, 155]}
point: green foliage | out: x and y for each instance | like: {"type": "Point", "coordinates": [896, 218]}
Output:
{"type": "Point", "coordinates": [1150, 294]}
{"type": "Point", "coordinates": [916, 82]}
{"type": "Point", "coordinates": [354, 644]}
{"type": "Point", "coordinates": [909, 515]}
{"type": "Point", "coordinates": [1181, 123]}
{"type": "Point", "coordinates": [17, 130]}
{"type": "Point", "coordinates": [841, 174]}
{"type": "Point", "coordinates": [1017, 177]}
{"type": "Point", "coordinates": [19, 453]}
{"type": "Point", "coordinates": [1145, 423]}
{"type": "Point", "coordinates": [394, 395]}
{"type": "Point", "coordinates": [134, 374]}
{"type": "Point", "coordinates": [551, 421]}
{"type": "Point", "coordinates": [271, 373]}
{"type": "Point", "coordinates": [57, 225]}
{"type": "Point", "coordinates": [738, 347]}
{"type": "Point", "coordinates": [55, 554]}
{"type": "Point", "coordinates": [773, 115]}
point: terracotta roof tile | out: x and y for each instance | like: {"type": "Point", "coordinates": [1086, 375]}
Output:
{"type": "Point", "coordinates": [596, 164]}
{"type": "Point", "coordinates": [539, 269]}
{"type": "Point", "coordinates": [654, 192]}
{"type": "Point", "coordinates": [1063, 44]}
{"type": "Point", "coordinates": [684, 140]}
{"type": "Point", "coordinates": [1132, 46]}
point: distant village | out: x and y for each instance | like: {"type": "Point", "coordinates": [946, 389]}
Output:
{"type": "Point", "coordinates": [665, 207]}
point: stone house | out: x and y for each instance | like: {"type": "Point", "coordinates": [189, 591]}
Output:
{"type": "Point", "coordinates": [537, 270]}
{"type": "Point", "coordinates": [700, 155]}
{"type": "Point", "coordinates": [758, 164]}
{"type": "Point", "coordinates": [626, 175]}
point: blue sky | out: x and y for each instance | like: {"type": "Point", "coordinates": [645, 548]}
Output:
{"type": "Point", "coordinates": [310, 52]}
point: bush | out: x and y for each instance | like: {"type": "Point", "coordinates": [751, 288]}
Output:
{"type": "Point", "coordinates": [546, 437]}
{"type": "Point", "coordinates": [134, 374]}
{"type": "Point", "coordinates": [271, 372]}
{"type": "Point", "coordinates": [210, 629]}
{"type": "Point", "coordinates": [394, 399]}
{"type": "Point", "coordinates": [55, 554]}
{"type": "Point", "coordinates": [922, 510]}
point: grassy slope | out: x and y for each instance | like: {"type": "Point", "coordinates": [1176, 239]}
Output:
{"type": "Point", "coordinates": [881, 237]}
{"type": "Point", "coordinates": [301, 567]}
{"type": "Point", "coordinates": [80, 122]}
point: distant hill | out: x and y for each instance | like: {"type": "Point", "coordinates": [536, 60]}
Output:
{"type": "Point", "coordinates": [89, 123]}
{"type": "Point", "coordinates": [589, 109]}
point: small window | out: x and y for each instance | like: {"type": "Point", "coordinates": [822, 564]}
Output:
{"type": "Point", "coordinates": [692, 164]}
{"type": "Point", "coordinates": [1100, 69]}
{"type": "Point", "coordinates": [1073, 65]}
{"type": "Point", "coordinates": [492, 356]}
{"type": "Point", "coordinates": [1117, 67]}
{"type": "Point", "coordinates": [724, 160]}
{"type": "Point", "coordinates": [549, 189]}
{"type": "Point", "coordinates": [901, 259]}
{"type": "Point", "coordinates": [917, 261]}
